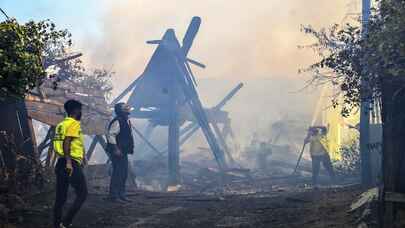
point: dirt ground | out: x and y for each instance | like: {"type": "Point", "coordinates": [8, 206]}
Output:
{"type": "Point", "coordinates": [266, 202]}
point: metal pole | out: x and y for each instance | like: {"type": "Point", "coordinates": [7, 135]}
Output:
{"type": "Point", "coordinates": [299, 159]}
{"type": "Point", "coordinates": [365, 108]}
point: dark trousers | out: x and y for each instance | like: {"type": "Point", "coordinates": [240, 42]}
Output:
{"type": "Point", "coordinates": [63, 180]}
{"type": "Point", "coordinates": [316, 166]}
{"type": "Point", "coordinates": [119, 175]}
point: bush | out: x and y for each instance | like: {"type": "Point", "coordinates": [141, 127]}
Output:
{"type": "Point", "coordinates": [350, 163]}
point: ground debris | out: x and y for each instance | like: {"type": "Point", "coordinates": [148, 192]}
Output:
{"type": "Point", "coordinates": [366, 207]}
{"type": "Point", "coordinates": [265, 202]}
{"type": "Point", "coordinates": [365, 199]}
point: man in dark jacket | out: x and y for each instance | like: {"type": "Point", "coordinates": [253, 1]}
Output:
{"type": "Point", "coordinates": [120, 144]}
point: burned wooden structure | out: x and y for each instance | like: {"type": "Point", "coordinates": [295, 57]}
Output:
{"type": "Point", "coordinates": [20, 156]}
{"type": "Point", "coordinates": [17, 122]}
{"type": "Point", "coordinates": [19, 163]}
{"type": "Point", "coordinates": [45, 104]}
{"type": "Point", "coordinates": [165, 95]}
{"type": "Point", "coordinates": [50, 111]}
{"type": "Point", "coordinates": [17, 118]}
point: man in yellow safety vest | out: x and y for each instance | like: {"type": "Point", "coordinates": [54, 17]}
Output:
{"type": "Point", "coordinates": [319, 153]}
{"type": "Point", "coordinates": [69, 146]}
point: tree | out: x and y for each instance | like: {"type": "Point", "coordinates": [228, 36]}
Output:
{"type": "Point", "coordinates": [22, 59]}
{"type": "Point", "coordinates": [346, 56]}
{"type": "Point", "coordinates": [22, 53]}
{"type": "Point", "coordinates": [339, 50]}
{"type": "Point", "coordinates": [379, 59]}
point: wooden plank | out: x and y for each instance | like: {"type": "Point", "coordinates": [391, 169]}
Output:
{"type": "Point", "coordinates": [51, 113]}
{"type": "Point", "coordinates": [45, 113]}
{"type": "Point", "coordinates": [222, 141]}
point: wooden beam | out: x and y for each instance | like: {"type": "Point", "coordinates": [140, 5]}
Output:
{"type": "Point", "coordinates": [102, 141]}
{"type": "Point", "coordinates": [147, 141]}
{"type": "Point", "coordinates": [147, 134]}
{"type": "Point", "coordinates": [44, 143]}
{"type": "Point", "coordinates": [222, 141]}
{"type": "Point", "coordinates": [33, 139]}
{"type": "Point", "coordinates": [185, 134]}
{"type": "Point", "coordinates": [186, 84]}
{"type": "Point", "coordinates": [92, 147]}
{"type": "Point", "coordinates": [173, 142]}
{"type": "Point", "coordinates": [49, 156]}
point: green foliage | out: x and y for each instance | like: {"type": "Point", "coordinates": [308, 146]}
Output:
{"type": "Point", "coordinates": [340, 53]}
{"type": "Point", "coordinates": [27, 50]}
{"type": "Point", "coordinates": [22, 49]}
{"type": "Point", "coordinates": [347, 57]}
{"type": "Point", "coordinates": [350, 163]}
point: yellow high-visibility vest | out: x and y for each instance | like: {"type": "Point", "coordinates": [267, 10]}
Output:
{"type": "Point", "coordinates": [69, 127]}
{"type": "Point", "coordinates": [318, 145]}
{"type": "Point", "coordinates": [325, 143]}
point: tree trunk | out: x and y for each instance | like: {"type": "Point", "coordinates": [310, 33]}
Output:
{"type": "Point", "coordinates": [393, 116]}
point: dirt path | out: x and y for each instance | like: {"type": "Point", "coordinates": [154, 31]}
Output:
{"type": "Point", "coordinates": [281, 208]}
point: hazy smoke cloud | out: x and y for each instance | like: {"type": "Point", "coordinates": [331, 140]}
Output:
{"type": "Point", "coordinates": [238, 38]}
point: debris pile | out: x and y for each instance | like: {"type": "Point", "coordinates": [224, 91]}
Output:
{"type": "Point", "coordinates": [366, 206]}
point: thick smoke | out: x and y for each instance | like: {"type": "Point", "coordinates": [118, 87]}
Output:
{"type": "Point", "coordinates": [238, 39]}
{"type": "Point", "coordinates": [250, 41]}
